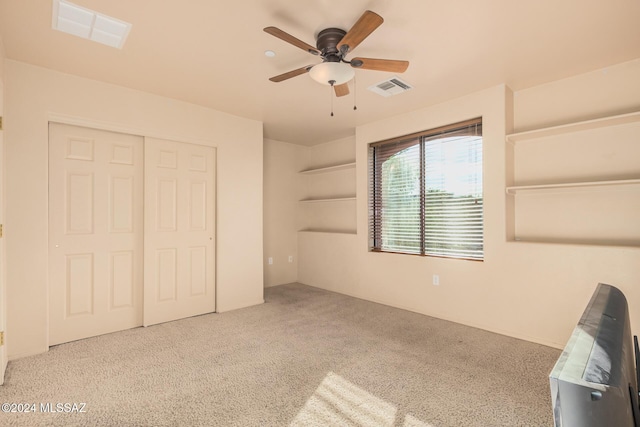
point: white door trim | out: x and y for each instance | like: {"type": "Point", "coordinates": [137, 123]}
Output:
{"type": "Point", "coordinates": [3, 287]}
{"type": "Point", "coordinates": [123, 128]}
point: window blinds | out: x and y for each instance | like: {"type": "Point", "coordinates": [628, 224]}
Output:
{"type": "Point", "coordinates": [426, 193]}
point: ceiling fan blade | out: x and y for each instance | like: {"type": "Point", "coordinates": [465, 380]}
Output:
{"type": "Point", "coordinates": [390, 65]}
{"type": "Point", "coordinates": [277, 32]}
{"type": "Point", "coordinates": [367, 23]}
{"type": "Point", "coordinates": [290, 74]}
{"type": "Point", "coordinates": [341, 90]}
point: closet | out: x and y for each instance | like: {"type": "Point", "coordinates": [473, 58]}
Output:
{"type": "Point", "coordinates": [131, 231]}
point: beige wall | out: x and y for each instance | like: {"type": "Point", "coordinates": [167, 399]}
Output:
{"type": "Point", "coordinates": [34, 96]}
{"type": "Point", "coordinates": [282, 190]}
{"type": "Point", "coordinates": [609, 91]}
{"type": "Point", "coordinates": [533, 291]}
{"type": "Point", "coordinates": [284, 187]}
{"type": "Point", "coordinates": [331, 153]}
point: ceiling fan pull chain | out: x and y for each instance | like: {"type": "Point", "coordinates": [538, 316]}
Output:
{"type": "Point", "coordinates": [355, 91]}
{"type": "Point", "coordinates": [331, 83]}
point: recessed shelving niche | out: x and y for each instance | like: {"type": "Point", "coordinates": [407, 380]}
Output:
{"type": "Point", "coordinates": [577, 183]}
{"type": "Point", "coordinates": [329, 206]}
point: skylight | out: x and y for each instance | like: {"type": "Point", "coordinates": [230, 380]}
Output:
{"type": "Point", "coordinates": [85, 23]}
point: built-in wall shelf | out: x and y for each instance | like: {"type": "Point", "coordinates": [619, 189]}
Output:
{"type": "Point", "coordinates": [333, 168]}
{"type": "Point", "coordinates": [620, 182]}
{"type": "Point", "coordinates": [578, 242]}
{"type": "Point", "coordinates": [322, 231]}
{"type": "Point", "coordinates": [331, 199]}
{"type": "Point", "coordinates": [575, 127]}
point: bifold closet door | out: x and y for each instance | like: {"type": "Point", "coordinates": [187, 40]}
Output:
{"type": "Point", "coordinates": [179, 240]}
{"type": "Point", "coordinates": [95, 232]}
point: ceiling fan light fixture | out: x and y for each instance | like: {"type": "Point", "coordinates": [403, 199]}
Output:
{"type": "Point", "coordinates": [331, 73]}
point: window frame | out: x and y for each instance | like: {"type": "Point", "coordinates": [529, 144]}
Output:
{"type": "Point", "coordinates": [375, 183]}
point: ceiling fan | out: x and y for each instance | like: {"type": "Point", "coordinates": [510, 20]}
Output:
{"type": "Point", "coordinates": [333, 45]}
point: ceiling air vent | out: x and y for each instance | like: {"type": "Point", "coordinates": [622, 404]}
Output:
{"type": "Point", "coordinates": [392, 86]}
{"type": "Point", "coordinates": [88, 24]}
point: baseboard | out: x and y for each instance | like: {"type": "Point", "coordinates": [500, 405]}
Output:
{"type": "Point", "coordinates": [26, 354]}
{"type": "Point", "coordinates": [239, 306]}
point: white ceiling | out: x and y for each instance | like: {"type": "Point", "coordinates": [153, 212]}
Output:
{"type": "Point", "coordinates": [211, 52]}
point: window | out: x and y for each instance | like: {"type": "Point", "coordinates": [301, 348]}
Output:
{"type": "Point", "coordinates": [426, 193]}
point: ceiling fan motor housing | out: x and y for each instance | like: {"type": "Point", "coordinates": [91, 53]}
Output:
{"type": "Point", "coordinates": [327, 44]}
{"type": "Point", "coordinates": [331, 71]}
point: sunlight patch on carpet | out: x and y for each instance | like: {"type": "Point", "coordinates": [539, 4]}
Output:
{"type": "Point", "coordinates": [411, 421]}
{"type": "Point", "coordinates": [337, 401]}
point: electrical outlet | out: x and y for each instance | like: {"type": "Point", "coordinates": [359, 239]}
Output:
{"type": "Point", "coordinates": [270, 261]}
{"type": "Point", "coordinates": [436, 280]}
{"type": "Point", "coordinates": [290, 258]}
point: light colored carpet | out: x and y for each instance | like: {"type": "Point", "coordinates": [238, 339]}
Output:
{"type": "Point", "coordinates": [306, 357]}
